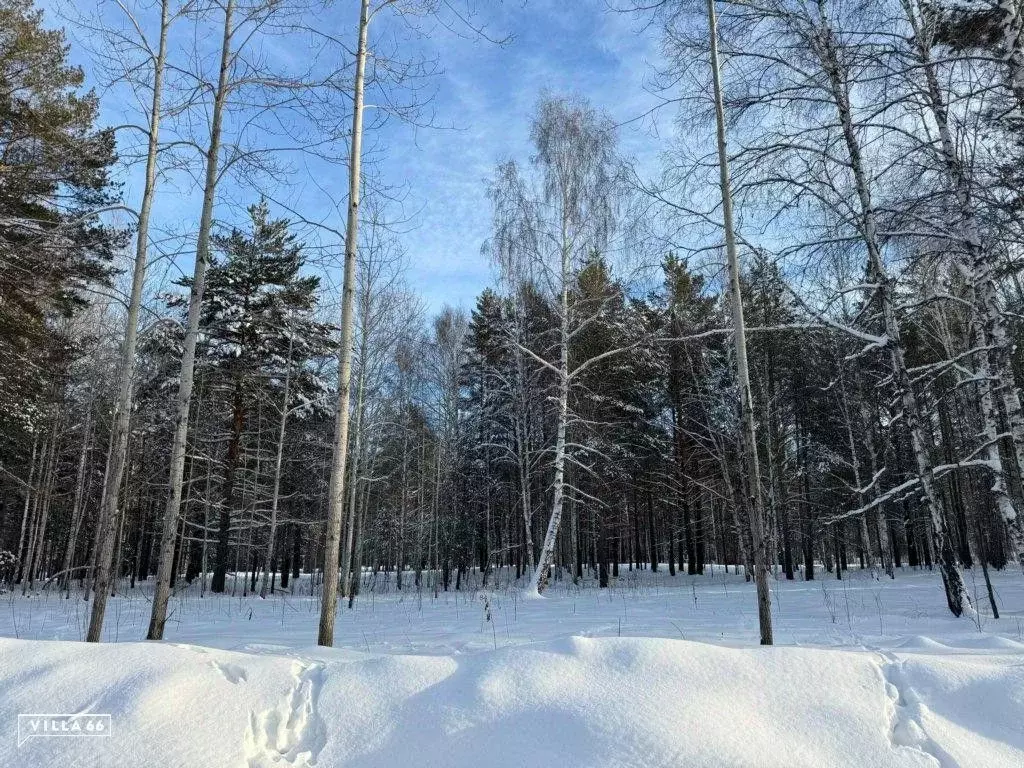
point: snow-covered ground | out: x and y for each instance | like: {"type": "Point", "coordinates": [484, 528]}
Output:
{"type": "Point", "coordinates": [656, 671]}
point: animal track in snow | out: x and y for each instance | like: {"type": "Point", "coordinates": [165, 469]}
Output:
{"type": "Point", "coordinates": [907, 709]}
{"type": "Point", "coordinates": [292, 733]}
{"type": "Point", "coordinates": [230, 672]}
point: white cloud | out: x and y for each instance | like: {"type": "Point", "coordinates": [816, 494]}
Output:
{"type": "Point", "coordinates": [489, 93]}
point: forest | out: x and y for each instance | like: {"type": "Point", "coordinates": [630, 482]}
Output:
{"type": "Point", "coordinates": [485, 383]}
{"type": "Point", "coordinates": [792, 351]}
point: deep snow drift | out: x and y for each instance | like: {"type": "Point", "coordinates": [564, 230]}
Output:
{"type": "Point", "coordinates": [418, 681]}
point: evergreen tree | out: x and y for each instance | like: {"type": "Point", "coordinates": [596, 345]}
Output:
{"type": "Point", "coordinates": [54, 178]}
{"type": "Point", "coordinates": [257, 306]}
{"type": "Point", "coordinates": [686, 310]}
{"type": "Point", "coordinates": [487, 378]}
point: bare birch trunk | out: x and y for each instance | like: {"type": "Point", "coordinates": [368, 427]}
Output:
{"type": "Point", "coordinates": [29, 495]}
{"type": "Point", "coordinates": [40, 510]}
{"type": "Point", "coordinates": [336, 497]}
{"type": "Point", "coordinates": [76, 504]}
{"type": "Point", "coordinates": [126, 374]}
{"type": "Point", "coordinates": [881, 523]}
{"type": "Point", "coordinates": [1013, 47]}
{"type": "Point", "coordinates": [862, 494]}
{"type": "Point", "coordinates": [522, 442]}
{"type": "Point", "coordinates": [206, 526]}
{"type": "Point", "coordinates": [419, 525]}
{"type": "Point", "coordinates": [956, 594]}
{"type": "Point", "coordinates": [995, 365]}
{"type": "Point", "coordinates": [115, 566]}
{"type": "Point", "coordinates": [547, 552]}
{"type": "Point", "coordinates": [754, 501]}
{"type": "Point", "coordinates": [734, 500]}
{"type": "Point", "coordinates": [357, 542]}
{"type": "Point", "coordinates": [162, 592]}
{"type": "Point", "coordinates": [278, 460]}
{"type": "Point", "coordinates": [400, 533]}
{"type": "Point", "coordinates": [97, 534]}
{"type": "Point", "coordinates": [435, 513]}
{"type": "Point", "coordinates": [353, 478]}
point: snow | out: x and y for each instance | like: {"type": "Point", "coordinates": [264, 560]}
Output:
{"type": "Point", "coordinates": [868, 672]}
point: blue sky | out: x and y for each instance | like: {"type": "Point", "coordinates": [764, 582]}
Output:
{"type": "Point", "coordinates": [484, 95]}
{"type": "Point", "coordinates": [565, 46]}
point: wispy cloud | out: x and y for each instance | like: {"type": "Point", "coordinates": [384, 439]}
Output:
{"type": "Point", "coordinates": [488, 94]}
{"type": "Point", "coordinates": [483, 102]}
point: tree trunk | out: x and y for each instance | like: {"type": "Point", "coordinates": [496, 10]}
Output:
{"type": "Point", "coordinates": [336, 496]}
{"type": "Point", "coordinates": [995, 368]}
{"type": "Point", "coordinates": [755, 501]}
{"type": "Point", "coordinates": [29, 495]}
{"type": "Point", "coordinates": [357, 443]}
{"type": "Point", "coordinates": [956, 594]}
{"type": "Point", "coordinates": [278, 459]}
{"type": "Point", "coordinates": [162, 591]}
{"type": "Point", "coordinates": [42, 513]}
{"type": "Point", "coordinates": [118, 453]}
{"type": "Point", "coordinates": [77, 506]}
{"type": "Point", "coordinates": [547, 553]}
{"type": "Point", "coordinates": [220, 565]}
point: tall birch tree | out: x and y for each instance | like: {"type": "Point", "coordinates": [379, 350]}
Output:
{"type": "Point", "coordinates": [546, 226]}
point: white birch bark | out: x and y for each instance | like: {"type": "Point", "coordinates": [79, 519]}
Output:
{"type": "Point", "coordinates": [956, 594]}
{"type": "Point", "coordinates": [41, 512]}
{"type": "Point", "coordinates": [76, 504]}
{"type": "Point", "coordinates": [29, 495]}
{"type": "Point", "coordinates": [755, 502]}
{"type": "Point", "coordinates": [547, 553]}
{"type": "Point", "coordinates": [278, 460]}
{"type": "Point", "coordinates": [179, 442]}
{"type": "Point", "coordinates": [336, 494]}
{"type": "Point", "coordinates": [1012, 24]}
{"type": "Point", "coordinates": [118, 454]}
{"type": "Point", "coordinates": [996, 373]}
{"type": "Point", "coordinates": [523, 447]}
{"type": "Point", "coordinates": [353, 478]}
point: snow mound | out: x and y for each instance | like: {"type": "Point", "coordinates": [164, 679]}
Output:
{"type": "Point", "coordinates": [921, 643]}
{"type": "Point", "coordinates": [977, 644]}
{"type": "Point", "coordinates": [572, 702]}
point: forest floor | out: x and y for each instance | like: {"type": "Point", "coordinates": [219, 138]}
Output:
{"type": "Point", "coordinates": [656, 671]}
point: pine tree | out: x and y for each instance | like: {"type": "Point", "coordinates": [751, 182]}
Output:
{"type": "Point", "coordinates": [54, 180]}
{"type": "Point", "coordinates": [256, 321]}
{"type": "Point", "coordinates": [617, 441]}
{"type": "Point", "coordinates": [686, 310]}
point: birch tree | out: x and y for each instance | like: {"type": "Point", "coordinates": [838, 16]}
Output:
{"type": "Point", "coordinates": [755, 503]}
{"type": "Point", "coordinates": [336, 495]}
{"type": "Point", "coordinates": [184, 398]}
{"type": "Point", "coordinates": [546, 227]}
{"type": "Point", "coordinates": [977, 260]}
{"type": "Point", "coordinates": [118, 449]}
{"type": "Point", "coordinates": [815, 159]}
